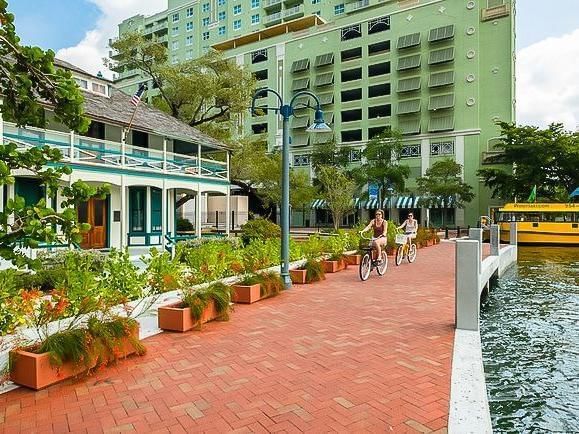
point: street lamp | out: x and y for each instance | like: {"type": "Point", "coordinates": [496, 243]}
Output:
{"type": "Point", "coordinates": [390, 191]}
{"type": "Point", "coordinates": [319, 126]}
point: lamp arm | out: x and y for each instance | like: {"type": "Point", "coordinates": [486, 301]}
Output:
{"type": "Point", "coordinates": [262, 91]}
{"type": "Point", "coordinates": [309, 93]}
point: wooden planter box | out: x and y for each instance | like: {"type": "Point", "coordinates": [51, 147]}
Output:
{"type": "Point", "coordinates": [429, 243]}
{"type": "Point", "coordinates": [246, 293]}
{"type": "Point", "coordinates": [298, 276]}
{"type": "Point", "coordinates": [353, 259]}
{"type": "Point", "coordinates": [35, 371]}
{"type": "Point", "coordinates": [176, 318]}
{"type": "Point", "coordinates": [333, 266]}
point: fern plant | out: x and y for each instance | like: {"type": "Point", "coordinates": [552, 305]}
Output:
{"type": "Point", "coordinates": [199, 299]}
{"type": "Point", "coordinates": [271, 284]}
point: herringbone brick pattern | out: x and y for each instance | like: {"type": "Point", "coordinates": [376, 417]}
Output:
{"type": "Point", "coordinates": [337, 356]}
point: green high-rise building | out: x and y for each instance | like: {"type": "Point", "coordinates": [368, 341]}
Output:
{"type": "Point", "coordinates": [441, 71]}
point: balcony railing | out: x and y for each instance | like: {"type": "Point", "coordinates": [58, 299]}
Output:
{"type": "Point", "coordinates": [361, 4]}
{"type": "Point", "coordinates": [273, 18]}
{"type": "Point", "coordinates": [271, 3]}
{"type": "Point", "coordinates": [94, 152]}
{"type": "Point", "coordinates": [293, 12]}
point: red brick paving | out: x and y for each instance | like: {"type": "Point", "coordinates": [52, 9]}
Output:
{"type": "Point", "coordinates": [337, 356]}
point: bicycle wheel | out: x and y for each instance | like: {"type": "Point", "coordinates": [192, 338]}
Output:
{"type": "Point", "coordinates": [399, 254]}
{"type": "Point", "coordinates": [412, 253]}
{"type": "Point", "coordinates": [381, 269]}
{"type": "Point", "coordinates": [365, 267]}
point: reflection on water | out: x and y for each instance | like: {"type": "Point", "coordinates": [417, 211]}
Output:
{"type": "Point", "coordinates": [530, 338]}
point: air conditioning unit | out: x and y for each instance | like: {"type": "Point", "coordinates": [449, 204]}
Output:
{"type": "Point", "coordinates": [496, 12]}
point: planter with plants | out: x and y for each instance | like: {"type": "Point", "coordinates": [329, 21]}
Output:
{"type": "Point", "coordinates": [335, 245]}
{"type": "Point", "coordinates": [248, 290]}
{"type": "Point", "coordinates": [197, 306]}
{"type": "Point", "coordinates": [298, 276]}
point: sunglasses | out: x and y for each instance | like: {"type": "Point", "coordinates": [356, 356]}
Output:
{"type": "Point", "coordinates": [410, 215]}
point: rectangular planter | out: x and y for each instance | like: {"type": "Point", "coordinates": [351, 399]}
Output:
{"type": "Point", "coordinates": [298, 276]}
{"type": "Point", "coordinates": [246, 293]}
{"type": "Point", "coordinates": [35, 371]}
{"type": "Point", "coordinates": [353, 259]}
{"type": "Point", "coordinates": [178, 319]}
{"type": "Point", "coordinates": [333, 266]}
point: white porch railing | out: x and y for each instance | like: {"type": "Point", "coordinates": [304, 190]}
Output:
{"type": "Point", "coordinates": [89, 151]}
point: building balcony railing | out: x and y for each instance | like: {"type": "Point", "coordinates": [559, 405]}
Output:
{"type": "Point", "coordinates": [87, 151]}
{"type": "Point", "coordinates": [273, 19]}
{"type": "Point", "coordinates": [293, 12]}
{"type": "Point", "coordinates": [272, 4]}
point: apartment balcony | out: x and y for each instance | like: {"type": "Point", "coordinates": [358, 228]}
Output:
{"type": "Point", "coordinates": [273, 19]}
{"type": "Point", "coordinates": [271, 5]}
{"type": "Point", "coordinates": [94, 153]}
{"type": "Point", "coordinates": [358, 5]}
{"type": "Point", "coordinates": [293, 12]}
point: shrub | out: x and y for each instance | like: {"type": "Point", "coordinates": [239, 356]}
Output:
{"type": "Point", "coordinates": [314, 271]}
{"type": "Point", "coordinates": [184, 225]}
{"type": "Point", "coordinates": [313, 248]}
{"type": "Point", "coordinates": [259, 229]}
{"type": "Point", "coordinates": [336, 245]}
{"type": "Point", "coordinates": [163, 273]}
{"type": "Point", "coordinates": [199, 299]}
{"type": "Point", "coordinates": [271, 284]}
{"type": "Point", "coordinates": [122, 280]}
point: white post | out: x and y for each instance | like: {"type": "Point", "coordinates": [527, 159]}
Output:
{"type": "Point", "coordinates": [477, 234]}
{"type": "Point", "coordinates": [228, 211]}
{"type": "Point", "coordinates": [164, 156]}
{"type": "Point", "coordinates": [10, 195]}
{"type": "Point", "coordinates": [124, 213]}
{"type": "Point", "coordinates": [198, 159]}
{"type": "Point", "coordinates": [467, 298]}
{"type": "Point", "coordinates": [198, 212]}
{"type": "Point", "coordinates": [148, 222]}
{"type": "Point", "coordinates": [495, 240]}
{"type": "Point", "coordinates": [513, 234]}
{"type": "Point", "coordinates": [164, 215]}
{"type": "Point", "coordinates": [71, 149]}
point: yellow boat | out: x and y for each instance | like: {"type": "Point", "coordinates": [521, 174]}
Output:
{"type": "Point", "coordinates": [541, 223]}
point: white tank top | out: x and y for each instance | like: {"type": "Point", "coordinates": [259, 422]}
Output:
{"type": "Point", "coordinates": [410, 227]}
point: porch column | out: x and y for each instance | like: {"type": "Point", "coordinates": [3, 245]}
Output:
{"type": "Point", "coordinates": [198, 212]}
{"type": "Point", "coordinates": [164, 158]}
{"type": "Point", "coordinates": [71, 148]}
{"type": "Point", "coordinates": [164, 216]}
{"type": "Point", "coordinates": [148, 222]}
{"type": "Point", "coordinates": [228, 210]}
{"type": "Point", "coordinates": [198, 159]}
{"type": "Point", "coordinates": [124, 213]}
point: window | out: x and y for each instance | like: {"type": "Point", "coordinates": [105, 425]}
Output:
{"type": "Point", "coordinates": [495, 3]}
{"type": "Point", "coordinates": [441, 33]}
{"type": "Point", "coordinates": [174, 59]}
{"type": "Point", "coordinates": [99, 88]}
{"type": "Point", "coordinates": [408, 41]}
{"type": "Point", "coordinates": [316, 2]}
{"type": "Point", "coordinates": [301, 84]}
{"type": "Point", "coordinates": [189, 12]}
{"type": "Point", "coordinates": [351, 95]}
{"type": "Point", "coordinates": [259, 128]}
{"type": "Point", "coordinates": [379, 25]}
{"type": "Point", "coordinates": [351, 115]}
{"type": "Point", "coordinates": [379, 69]}
{"type": "Point", "coordinates": [137, 207]}
{"type": "Point", "coordinates": [351, 32]}
{"type": "Point", "coordinates": [300, 65]}
{"type": "Point", "coordinates": [254, 19]}
{"type": "Point", "coordinates": [254, 4]}
{"type": "Point", "coordinates": [378, 48]}
{"type": "Point", "coordinates": [205, 36]}
{"type": "Point", "coordinates": [300, 122]}
{"type": "Point", "coordinates": [410, 126]}
{"type": "Point", "coordinates": [83, 84]}
{"type": "Point", "coordinates": [441, 123]}
{"type": "Point", "coordinates": [175, 30]}
{"type": "Point", "coordinates": [380, 111]}
{"type": "Point", "coordinates": [351, 75]}
{"type": "Point", "coordinates": [301, 160]}
{"type": "Point", "coordinates": [354, 53]}
{"type": "Point", "coordinates": [324, 60]}
{"type": "Point", "coordinates": [259, 56]}
{"type": "Point", "coordinates": [352, 136]}
{"type": "Point", "coordinates": [260, 75]}
{"type": "Point", "coordinates": [440, 102]}
{"type": "Point", "coordinates": [326, 98]}
{"type": "Point", "coordinates": [376, 131]}
{"type": "Point", "coordinates": [189, 26]}
{"type": "Point", "coordinates": [221, 16]}
{"type": "Point", "coordinates": [379, 90]}
{"type": "Point", "coordinates": [409, 106]}
{"type": "Point", "coordinates": [220, 2]}
{"type": "Point", "coordinates": [221, 31]}
{"type": "Point", "coordinates": [410, 151]}
{"type": "Point", "coordinates": [442, 148]}
{"type": "Point", "coordinates": [156, 210]}
{"type": "Point", "coordinates": [237, 25]}
{"type": "Point", "coordinates": [409, 84]}
{"type": "Point", "coordinates": [409, 62]}
{"type": "Point", "coordinates": [206, 7]}
{"type": "Point", "coordinates": [175, 17]}
{"type": "Point", "coordinates": [236, 9]}
{"type": "Point", "coordinates": [441, 79]}
{"type": "Point", "coordinates": [189, 40]}
{"type": "Point", "coordinates": [441, 56]}
{"type": "Point", "coordinates": [189, 55]}
{"type": "Point", "coordinates": [339, 9]}
{"type": "Point", "coordinates": [175, 45]}
{"type": "Point", "coordinates": [205, 21]}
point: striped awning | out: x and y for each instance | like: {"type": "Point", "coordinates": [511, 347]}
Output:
{"type": "Point", "coordinates": [407, 202]}
{"type": "Point", "coordinates": [436, 202]}
{"type": "Point", "coordinates": [318, 204]}
{"type": "Point", "coordinates": [372, 204]}
{"type": "Point", "coordinates": [386, 203]}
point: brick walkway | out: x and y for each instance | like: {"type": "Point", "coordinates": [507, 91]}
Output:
{"type": "Point", "coordinates": [340, 355]}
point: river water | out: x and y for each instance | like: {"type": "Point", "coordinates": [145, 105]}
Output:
{"type": "Point", "coordinates": [530, 340]}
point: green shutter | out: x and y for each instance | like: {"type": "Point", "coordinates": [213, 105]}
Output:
{"type": "Point", "coordinates": [441, 79]}
{"type": "Point", "coordinates": [301, 65]}
{"type": "Point", "coordinates": [301, 84]}
{"type": "Point", "coordinates": [324, 59]}
{"type": "Point", "coordinates": [409, 84]}
{"type": "Point", "coordinates": [441, 56]}
{"type": "Point", "coordinates": [156, 210]}
{"type": "Point", "coordinates": [408, 41]}
{"type": "Point", "coordinates": [325, 79]}
{"type": "Point", "coordinates": [409, 62]}
{"type": "Point", "coordinates": [409, 106]}
{"type": "Point", "coordinates": [137, 199]}
{"type": "Point", "coordinates": [301, 122]}
{"type": "Point", "coordinates": [300, 140]}
{"type": "Point", "coordinates": [326, 98]}
{"type": "Point", "coordinates": [441, 123]}
{"type": "Point", "coordinates": [441, 102]}
{"type": "Point", "coordinates": [302, 101]}
{"type": "Point", "coordinates": [410, 126]}
{"type": "Point", "coordinates": [441, 33]}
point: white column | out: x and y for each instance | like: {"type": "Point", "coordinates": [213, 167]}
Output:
{"type": "Point", "coordinates": [467, 298]}
{"type": "Point", "coordinates": [71, 148]}
{"type": "Point", "coordinates": [228, 211]}
{"type": "Point", "coordinates": [148, 222]}
{"type": "Point", "coordinates": [198, 212]}
{"type": "Point", "coordinates": [198, 159]}
{"type": "Point", "coordinates": [1, 123]}
{"type": "Point", "coordinates": [164, 154]}
{"type": "Point", "coordinates": [424, 156]}
{"type": "Point", "coordinates": [164, 215]}
{"type": "Point", "coordinates": [10, 195]}
{"type": "Point", "coordinates": [495, 240]}
{"type": "Point", "coordinates": [124, 213]}
{"type": "Point", "coordinates": [459, 158]}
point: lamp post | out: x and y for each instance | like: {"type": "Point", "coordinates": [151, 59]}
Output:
{"type": "Point", "coordinates": [319, 126]}
{"type": "Point", "coordinates": [390, 191]}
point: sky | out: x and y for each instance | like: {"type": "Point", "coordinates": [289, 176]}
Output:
{"type": "Point", "coordinates": [547, 46]}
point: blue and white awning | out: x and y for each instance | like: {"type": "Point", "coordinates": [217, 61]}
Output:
{"type": "Point", "coordinates": [372, 204]}
{"type": "Point", "coordinates": [386, 203]}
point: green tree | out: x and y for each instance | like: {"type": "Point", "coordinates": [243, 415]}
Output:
{"type": "Point", "coordinates": [329, 154]}
{"type": "Point", "coordinates": [28, 76]}
{"type": "Point", "coordinates": [528, 156]}
{"type": "Point", "coordinates": [442, 181]}
{"type": "Point", "coordinates": [381, 164]}
{"type": "Point", "coordinates": [337, 190]}
{"type": "Point", "coordinates": [205, 93]}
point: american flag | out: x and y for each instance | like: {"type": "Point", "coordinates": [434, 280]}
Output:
{"type": "Point", "coordinates": [136, 98]}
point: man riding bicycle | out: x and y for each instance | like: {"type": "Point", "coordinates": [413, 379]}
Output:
{"type": "Point", "coordinates": [410, 227]}
{"type": "Point", "coordinates": [380, 232]}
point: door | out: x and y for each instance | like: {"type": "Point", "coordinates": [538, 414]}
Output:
{"type": "Point", "coordinates": [94, 212]}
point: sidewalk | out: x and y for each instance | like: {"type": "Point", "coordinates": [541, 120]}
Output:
{"type": "Point", "coordinates": [340, 355]}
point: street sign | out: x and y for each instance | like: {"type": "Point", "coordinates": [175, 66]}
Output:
{"type": "Point", "coordinates": [373, 191]}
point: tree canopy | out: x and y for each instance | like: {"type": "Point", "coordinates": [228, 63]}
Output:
{"type": "Point", "coordinates": [442, 181]}
{"type": "Point", "coordinates": [329, 154]}
{"type": "Point", "coordinates": [338, 190]}
{"type": "Point", "coordinates": [528, 156]}
{"type": "Point", "coordinates": [204, 92]}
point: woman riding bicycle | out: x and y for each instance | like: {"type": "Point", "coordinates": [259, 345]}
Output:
{"type": "Point", "coordinates": [410, 227]}
{"type": "Point", "coordinates": [380, 232]}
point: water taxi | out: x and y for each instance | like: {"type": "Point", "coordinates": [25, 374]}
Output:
{"type": "Point", "coordinates": [541, 223]}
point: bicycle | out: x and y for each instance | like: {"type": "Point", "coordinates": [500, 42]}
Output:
{"type": "Point", "coordinates": [406, 249]}
{"type": "Point", "coordinates": [368, 263]}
